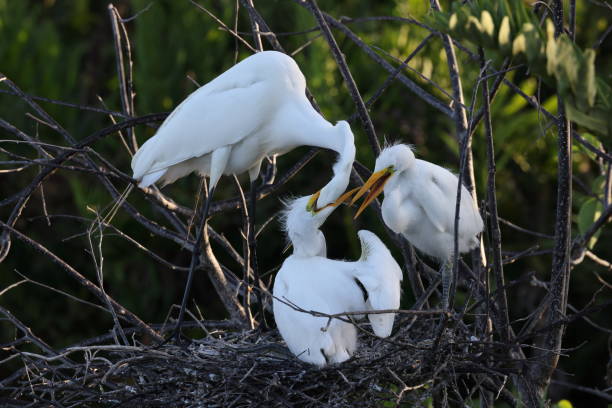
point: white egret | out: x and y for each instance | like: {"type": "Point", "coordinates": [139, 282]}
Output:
{"type": "Point", "coordinates": [256, 109]}
{"type": "Point", "coordinates": [419, 203]}
{"type": "Point", "coordinates": [312, 282]}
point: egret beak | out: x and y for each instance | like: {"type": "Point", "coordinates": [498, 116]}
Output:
{"type": "Point", "coordinates": [312, 203]}
{"type": "Point", "coordinates": [376, 183]}
{"type": "Point", "coordinates": [311, 206]}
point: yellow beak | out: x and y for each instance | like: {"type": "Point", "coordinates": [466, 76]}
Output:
{"type": "Point", "coordinates": [312, 203]}
{"type": "Point", "coordinates": [376, 183]}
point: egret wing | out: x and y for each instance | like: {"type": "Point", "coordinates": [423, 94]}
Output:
{"type": "Point", "coordinates": [436, 192]}
{"type": "Point", "coordinates": [216, 115]}
{"type": "Point", "coordinates": [380, 274]}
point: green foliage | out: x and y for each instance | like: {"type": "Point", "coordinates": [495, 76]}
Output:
{"type": "Point", "coordinates": [589, 211]}
{"type": "Point", "coordinates": [507, 29]}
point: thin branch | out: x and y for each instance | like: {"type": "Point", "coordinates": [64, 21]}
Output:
{"type": "Point", "coordinates": [348, 77]}
{"type": "Point", "coordinates": [120, 310]}
{"type": "Point", "coordinates": [498, 269]}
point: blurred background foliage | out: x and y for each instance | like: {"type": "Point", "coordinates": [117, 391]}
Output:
{"type": "Point", "coordinates": [64, 50]}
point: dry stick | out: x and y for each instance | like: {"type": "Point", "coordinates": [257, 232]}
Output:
{"type": "Point", "coordinates": [418, 73]}
{"type": "Point", "coordinates": [217, 277]}
{"type": "Point", "coordinates": [546, 359]}
{"type": "Point", "coordinates": [121, 311]}
{"type": "Point", "coordinates": [250, 229]}
{"type": "Point", "coordinates": [30, 335]}
{"type": "Point", "coordinates": [21, 198]}
{"type": "Point", "coordinates": [67, 104]}
{"type": "Point", "coordinates": [99, 267]}
{"type": "Point", "coordinates": [478, 254]}
{"type": "Point", "coordinates": [216, 274]}
{"type": "Point", "coordinates": [270, 36]}
{"type": "Point", "coordinates": [499, 77]}
{"type": "Point", "coordinates": [23, 136]}
{"type": "Point", "coordinates": [392, 76]}
{"type": "Point", "coordinates": [246, 255]}
{"type": "Point", "coordinates": [498, 271]}
{"type": "Point", "coordinates": [254, 27]}
{"type": "Point", "coordinates": [234, 33]}
{"type": "Point", "coordinates": [593, 391]}
{"type": "Point", "coordinates": [415, 88]}
{"type": "Point", "coordinates": [39, 179]}
{"type": "Point", "coordinates": [420, 92]}
{"type": "Point", "coordinates": [534, 103]}
{"type": "Point", "coordinates": [125, 79]}
{"type": "Point", "coordinates": [347, 76]}
{"type": "Point", "coordinates": [463, 136]}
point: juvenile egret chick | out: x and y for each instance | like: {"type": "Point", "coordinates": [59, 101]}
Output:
{"type": "Point", "coordinates": [312, 282]}
{"type": "Point", "coordinates": [255, 109]}
{"type": "Point", "coordinates": [419, 203]}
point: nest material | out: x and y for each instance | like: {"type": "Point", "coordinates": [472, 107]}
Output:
{"type": "Point", "coordinates": [250, 368]}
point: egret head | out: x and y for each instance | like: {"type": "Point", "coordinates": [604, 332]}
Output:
{"type": "Point", "coordinates": [392, 160]}
{"type": "Point", "coordinates": [301, 222]}
{"type": "Point", "coordinates": [342, 168]}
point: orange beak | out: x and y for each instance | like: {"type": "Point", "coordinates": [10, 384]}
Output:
{"type": "Point", "coordinates": [312, 203]}
{"type": "Point", "coordinates": [376, 183]}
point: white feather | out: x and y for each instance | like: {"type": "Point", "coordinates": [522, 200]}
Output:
{"type": "Point", "coordinates": [257, 108]}
{"type": "Point", "coordinates": [312, 282]}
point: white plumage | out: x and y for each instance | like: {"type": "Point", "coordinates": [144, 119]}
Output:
{"type": "Point", "coordinates": [311, 281]}
{"type": "Point", "coordinates": [419, 203]}
{"type": "Point", "coordinates": [255, 109]}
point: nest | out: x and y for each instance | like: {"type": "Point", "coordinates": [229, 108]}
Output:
{"type": "Point", "coordinates": [424, 358]}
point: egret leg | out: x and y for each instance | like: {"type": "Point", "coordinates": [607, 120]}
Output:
{"type": "Point", "coordinates": [253, 249]}
{"type": "Point", "coordinates": [195, 256]}
{"type": "Point", "coordinates": [446, 273]}
{"type": "Point", "coordinates": [270, 171]}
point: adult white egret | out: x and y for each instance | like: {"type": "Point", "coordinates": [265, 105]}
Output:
{"type": "Point", "coordinates": [312, 282]}
{"type": "Point", "coordinates": [255, 109]}
{"type": "Point", "coordinates": [420, 200]}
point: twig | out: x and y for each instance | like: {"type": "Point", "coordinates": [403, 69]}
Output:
{"type": "Point", "coordinates": [498, 271]}
{"type": "Point", "coordinates": [346, 74]}
{"type": "Point", "coordinates": [120, 310]}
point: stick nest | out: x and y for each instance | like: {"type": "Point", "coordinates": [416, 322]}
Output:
{"type": "Point", "coordinates": [229, 368]}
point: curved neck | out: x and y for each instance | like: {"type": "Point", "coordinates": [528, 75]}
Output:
{"type": "Point", "coordinates": [308, 244]}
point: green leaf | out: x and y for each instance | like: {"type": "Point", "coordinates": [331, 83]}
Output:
{"type": "Point", "coordinates": [486, 20]}
{"type": "Point", "coordinates": [590, 210]}
{"type": "Point", "coordinates": [519, 45]}
{"type": "Point", "coordinates": [551, 48]}
{"type": "Point", "coordinates": [504, 34]}
{"type": "Point", "coordinates": [595, 121]}
{"type": "Point", "coordinates": [452, 22]}
{"type": "Point", "coordinates": [604, 91]}
{"type": "Point", "coordinates": [533, 43]}
{"type": "Point", "coordinates": [587, 86]}
{"type": "Point", "coordinates": [592, 139]}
